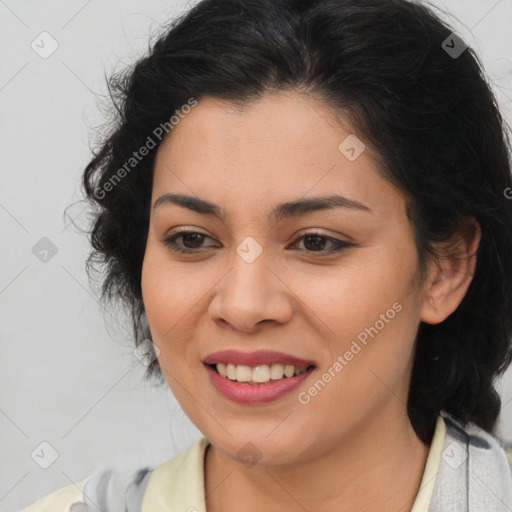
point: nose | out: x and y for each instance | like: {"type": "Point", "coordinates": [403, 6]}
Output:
{"type": "Point", "coordinates": [251, 294]}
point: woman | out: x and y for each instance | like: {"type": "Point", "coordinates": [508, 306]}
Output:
{"type": "Point", "coordinates": [304, 207]}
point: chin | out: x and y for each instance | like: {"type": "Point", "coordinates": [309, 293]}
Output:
{"type": "Point", "coordinates": [255, 448]}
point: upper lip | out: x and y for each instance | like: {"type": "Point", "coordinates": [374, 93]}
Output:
{"type": "Point", "coordinates": [256, 358]}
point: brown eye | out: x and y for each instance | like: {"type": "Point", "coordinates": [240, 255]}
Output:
{"type": "Point", "coordinates": [316, 242]}
{"type": "Point", "coordinates": [190, 241]}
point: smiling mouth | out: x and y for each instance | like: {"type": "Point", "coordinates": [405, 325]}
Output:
{"type": "Point", "coordinates": [258, 375]}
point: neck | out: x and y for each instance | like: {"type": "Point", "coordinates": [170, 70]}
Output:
{"type": "Point", "coordinates": [375, 469]}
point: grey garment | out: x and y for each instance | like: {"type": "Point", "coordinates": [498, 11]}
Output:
{"type": "Point", "coordinates": [110, 490]}
{"type": "Point", "coordinates": [474, 473]}
{"type": "Point", "coordinates": [474, 476]}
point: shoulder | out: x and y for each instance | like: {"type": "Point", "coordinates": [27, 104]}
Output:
{"type": "Point", "coordinates": [482, 444]}
{"type": "Point", "coordinates": [108, 489]}
{"type": "Point", "coordinates": [170, 486]}
{"type": "Point", "coordinates": [474, 469]}
{"type": "Point", "coordinates": [59, 500]}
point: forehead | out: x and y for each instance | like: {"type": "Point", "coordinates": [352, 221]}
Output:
{"type": "Point", "coordinates": [284, 145]}
{"type": "Point", "coordinates": [287, 123]}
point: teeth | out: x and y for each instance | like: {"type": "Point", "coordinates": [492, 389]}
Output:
{"type": "Point", "coordinates": [258, 374]}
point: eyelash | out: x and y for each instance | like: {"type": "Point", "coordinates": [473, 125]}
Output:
{"type": "Point", "coordinates": [339, 245]}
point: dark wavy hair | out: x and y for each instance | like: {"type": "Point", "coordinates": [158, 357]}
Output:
{"type": "Point", "coordinates": [429, 114]}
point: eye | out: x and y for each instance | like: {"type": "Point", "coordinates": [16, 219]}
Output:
{"type": "Point", "coordinates": [316, 242]}
{"type": "Point", "coordinates": [190, 242]}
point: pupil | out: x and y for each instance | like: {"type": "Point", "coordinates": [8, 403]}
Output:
{"type": "Point", "coordinates": [318, 244]}
{"type": "Point", "coordinates": [198, 239]}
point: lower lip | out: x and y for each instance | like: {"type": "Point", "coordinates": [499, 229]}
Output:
{"type": "Point", "coordinates": [258, 393]}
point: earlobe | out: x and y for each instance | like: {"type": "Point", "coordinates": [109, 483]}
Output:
{"type": "Point", "coordinates": [450, 276]}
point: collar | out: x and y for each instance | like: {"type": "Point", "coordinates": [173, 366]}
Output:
{"type": "Point", "coordinates": [178, 484]}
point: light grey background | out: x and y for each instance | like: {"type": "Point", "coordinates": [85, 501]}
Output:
{"type": "Point", "coordinates": [67, 374]}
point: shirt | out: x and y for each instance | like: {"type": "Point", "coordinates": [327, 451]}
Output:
{"type": "Point", "coordinates": [187, 477]}
{"type": "Point", "coordinates": [457, 473]}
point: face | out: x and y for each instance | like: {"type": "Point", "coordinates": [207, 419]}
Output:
{"type": "Point", "coordinates": [336, 287]}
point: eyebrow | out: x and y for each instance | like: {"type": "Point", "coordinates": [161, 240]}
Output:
{"type": "Point", "coordinates": [281, 211]}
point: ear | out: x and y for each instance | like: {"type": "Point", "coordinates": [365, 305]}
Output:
{"type": "Point", "coordinates": [450, 275]}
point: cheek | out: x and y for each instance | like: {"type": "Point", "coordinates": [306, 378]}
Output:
{"type": "Point", "coordinates": [368, 364]}
{"type": "Point", "coordinates": [348, 298]}
{"type": "Point", "coordinates": [173, 294]}
{"type": "Point", "coordinates": [166, 299]}
{"type": "Point", "coordinates": [169, 290]}
{"type": "Point", "coordinates": [165, 305]}
{"type": "Point", "coordinates": [368, 313]}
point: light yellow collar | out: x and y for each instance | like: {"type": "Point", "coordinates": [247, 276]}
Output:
{"type": "Point", "coordinates": [178, 484]}
{"type": "Point", "coordinates": [424, 497]}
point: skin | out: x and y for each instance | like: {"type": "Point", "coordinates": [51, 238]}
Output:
{"type": "Point", "coordinates": [352, 447]}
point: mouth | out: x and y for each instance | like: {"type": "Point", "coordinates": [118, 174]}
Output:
{"type": "Point", "coordinates": [259, 375]}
